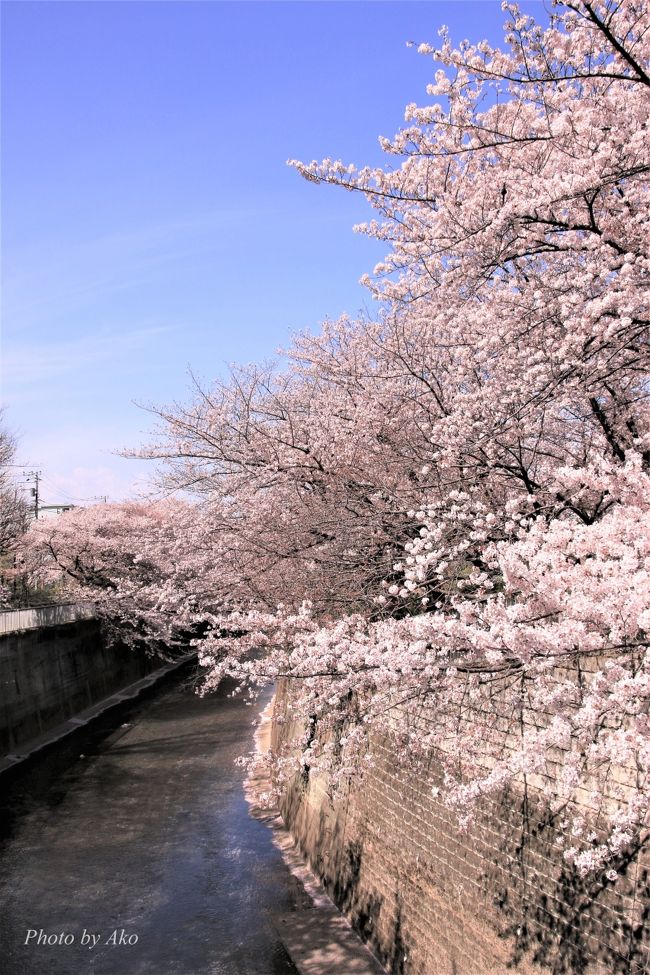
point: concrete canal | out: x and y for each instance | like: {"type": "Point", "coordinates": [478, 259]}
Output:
{"type": "Point", "coordinates": [130, 850]}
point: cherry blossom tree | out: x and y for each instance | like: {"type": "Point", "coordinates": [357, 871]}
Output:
{"type": "Point", "coordinates": [514, 339]}
{"type": "Point", "coordinates": [141, 563]}
{"type": "Point", "coordinates": [446, 509]}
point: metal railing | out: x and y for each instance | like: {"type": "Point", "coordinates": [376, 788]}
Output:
{"type": "Point", "coordinates": [30, 618]}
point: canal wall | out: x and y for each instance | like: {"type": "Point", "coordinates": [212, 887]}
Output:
{"type": "Point", "coordinates": [431, 899]}
{"type": "Point", "coordinates": [51, 673]}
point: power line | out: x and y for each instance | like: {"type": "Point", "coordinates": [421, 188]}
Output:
{"type": "Point", "coordinates": [59, 490]}
{"type": "Point", "coordinates": [72, 497]}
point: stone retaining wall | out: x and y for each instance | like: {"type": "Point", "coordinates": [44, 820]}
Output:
{"type": "Point", "coordinates": [49, 674]}
{"type": "Point", "coordinates": [433, 900]}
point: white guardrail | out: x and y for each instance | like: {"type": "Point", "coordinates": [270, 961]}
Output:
{"type": "Point", "coordinates": [30, 618]}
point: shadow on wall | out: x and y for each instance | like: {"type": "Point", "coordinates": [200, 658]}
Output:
{"type": "Point", "coordinates": [500, 896]}
{"type": "Point", "coordinates": [338, 864]}
{"type": "Point", "coordinates": [562, 921]}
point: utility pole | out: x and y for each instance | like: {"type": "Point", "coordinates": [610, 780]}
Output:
{"type": "Point", "coordinates": [35, 475]}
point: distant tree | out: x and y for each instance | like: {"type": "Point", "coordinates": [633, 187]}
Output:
{"type": "Point", "coordinates": [13, 512]}
{"type": "Point", "coordinates": [13, 507]}
{"type": "Point", "coordinates": [140, 563]}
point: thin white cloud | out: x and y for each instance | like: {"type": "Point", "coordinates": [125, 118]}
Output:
{"type": "Point", "coordinates": [26, 364]}
{"type": "Point", "coordinates": [85, 485]}
{"type": "Point", "coordinates": [67, 478]}
{"type": "Point", "coordinates": [41, 277]}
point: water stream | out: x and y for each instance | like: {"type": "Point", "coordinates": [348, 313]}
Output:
{"type": "Point", "coordinates": [130, 850]}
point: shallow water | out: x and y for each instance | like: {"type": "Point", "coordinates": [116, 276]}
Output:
{"type": "Point", "coordinates": [133, 842]}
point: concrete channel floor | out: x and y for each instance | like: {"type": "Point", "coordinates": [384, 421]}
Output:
{"type": "Point", "coordinates": [138, 838]}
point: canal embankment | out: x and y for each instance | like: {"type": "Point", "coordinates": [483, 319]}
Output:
{"type": "Point", "coordinates": [318, 937]}
{"type": "Point", "coordinates": [55, 664]}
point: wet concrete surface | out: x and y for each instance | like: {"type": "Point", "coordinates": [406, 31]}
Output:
{"type": "Point", "coordinates": [139, 837]}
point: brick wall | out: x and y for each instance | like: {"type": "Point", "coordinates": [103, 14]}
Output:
{"type": "Point", "coordinates": [432, 900]}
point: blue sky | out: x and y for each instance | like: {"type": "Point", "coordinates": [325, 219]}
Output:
{"type": "Point", "coordinates": [149, 221]}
